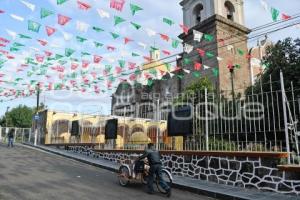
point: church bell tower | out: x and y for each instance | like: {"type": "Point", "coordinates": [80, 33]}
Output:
{"type": "Point", "coordinates": [224, 20]}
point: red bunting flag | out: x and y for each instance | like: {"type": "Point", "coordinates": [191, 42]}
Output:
{"type": "Point", "coordinates": [62, 20]}
{"type": "Point", "coordinates": [83, 6]}
{"type": "Point", "coordinates": [166, 52]}
{"type": "Point", "coordinates": [164, 37]}
{"type": "Point", "coordinates": [147, 59]}
{"type": "Point", "coordinates": [50, 86]}
{"type": "Point", "coordinates": [85, 63]}
{"type": "Point", "coordinates": [184, 28]}
{"type": "Point", "coordinates": [132, 77]}
{"type": "Point", "coordinates": [127, 40]}
{"type": "Point", "coordinates": [4, 52]}
{"type": "Point", "coordinates": [111, 48]}
{"type": "Point", "coordinates": [61, 76]}
{"type": "Point", "coordinates": [117, 4]}
{"type": "Point", "coordinates": [248, 56]}
{"type": "Point", "coordinates": [10, 57]}
{"type": "Point", "coordinates": [285, 17]}
{"type": "Point", "coordinates": [97, 59]}
{"type": "Point", "coordinates": [48, 53]}
{"type": "Point", "coordinates": [131, 65]}
{"type": "Point", "coordinates": [230, 65]}
{"type": "Point", "coordinates": [43, 42]}
{"type": "Point", "coordinates": [60, 69]}
{"type": "Point", "coordinates": [39, 58]}
{"type": "Point", "coordinates": [201, 52]}
{"type": "Point", "coordinates": [197, 66]}
{"type": "Point", "coordinates": [4, 40]}
{"type": "Point", "coordinates": [222, 41]}
{"type": "Point", "coordinates": [2, 45]}
{"type": "Point", "coordinates": [74, 66]}
{"type": "Point", "coordinates": [2, 11]}
{"type": "Point", "coordinates": [50, 30]}
{"type": "Point", "coordinates": [118, 70]}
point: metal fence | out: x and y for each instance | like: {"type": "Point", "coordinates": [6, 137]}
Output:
{"type": "Point", "coordinates": [20, 134]}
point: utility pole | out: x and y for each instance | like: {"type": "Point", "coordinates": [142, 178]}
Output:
{"type": "Point", "coordinates": [36, 114]}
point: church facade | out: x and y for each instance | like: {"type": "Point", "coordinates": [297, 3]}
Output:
{"type": "Point", "coordinates": [224, 20]}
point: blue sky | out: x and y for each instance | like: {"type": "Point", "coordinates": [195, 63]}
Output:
{"type": "Point", "coordinates": [150, 17]}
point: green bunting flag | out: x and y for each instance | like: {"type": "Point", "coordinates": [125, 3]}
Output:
{"type": "Point", "coordinates": [45, 13]}
{"type": "Point", "coordinates": [187, 61]}
{"type": "Point", "coordinates": [80, 39]}
{"type": "Point", "coordinates": [14, 49]}
{"type": "Point", "coordinates": [150, 82]}
{"type": "Point", "coordinates": [153, 71]}
{"type": "Point", "coordinates": [135, 8]}
{"type": "Point", "coordinates": [209, 54]}
{"type": "Point", "coordinates": [168, 21]}
{"type": "Point", "coordinates": [69, 52]}
{"type": "Point", "coordinates": [114, 35]}
{"type": "Point", "coordinates": [97, 29]}
{"type": "Point", "coordinates": [168, 66]}
{"type": "Point", "coordinates": [275, 14]}
{"type": "Point", "coordinates": [16, 44]}
{"type": "Point", "coordinates": [135, 54]}
{"type": "Point", "coordinates": [237, 66]}
{"type": "Point", "coordinates": [108, 68]}
{"type": "Point", "coordinates": [241, 52]}
{"type": "Point", "coordinates": [180, 76]}
{"type": "Point", "coordinates": [175, 43]}
{"type": "Point", "coordinates": [59, 2]}
{"type": "Point", "coordinates": [24, 36]}
{"type": "Point", "coordinates": [33, 26]}
{"type": "Point", "coordinates": [118, 20]}
{"type": "Point", "coordinates": [196, 74]}
{"type": "Point", "coordinates": [58, 56]}
{"type": "Point", "coordinates": [97, 44]}
{"type": "Point", "coordinates": [85, 54]}
{"type": "Point", "coordinates": [136, 26]}
{"type": "Point", "coordinates": [122, 63]}
{"type": "Point", "coordinates": [208, 37]}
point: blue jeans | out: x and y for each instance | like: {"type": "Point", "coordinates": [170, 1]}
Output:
{"type": "Point", "coordinates": [10, 142]}
{"type": "Point", "coordinates": [156, 170]}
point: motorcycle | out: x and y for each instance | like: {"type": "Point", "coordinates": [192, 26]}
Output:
{"type": "Point", "coordinates": [137, 172]}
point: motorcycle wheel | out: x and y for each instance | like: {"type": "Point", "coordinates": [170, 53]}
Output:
{"type": "Point", "coordinates": [123, 176]}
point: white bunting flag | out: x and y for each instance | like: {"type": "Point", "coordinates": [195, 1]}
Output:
{"type": "Point", "coordinates": [16, 17]}
{"type": "Point", "coordinates": [229, 47]}
{"type": "Point", "coordinates": [150, 32]}
{"type": "Point", "coordinates": [219, 58]}
{"type": "Point", "coordinates": [205, 67]}
{"type": "Point", "coordinates": [103, 14]}
{"type": "Point", "coordinates": [142, 45]}
{"type": "Point", "coordinates": [28, 5]}
{"type": "Point", "coordinates": [187, 71]}
{"type": "Point", "coordinates": [264, 5]}
{"type": "Point", "coordinates": [171, 74]}
{"type": "Point", "coordinates": [67, 36]}
{"type": "Point", "coordinates": [11, 33]}
{"type": "Point", "coordinates": [82, 26]}
{"type": "Point", "coordinates": [188, 48]}
{"type": "Point", "coordinates": [197, 35]}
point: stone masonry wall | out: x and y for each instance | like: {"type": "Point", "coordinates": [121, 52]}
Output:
{"type": "Point", "coordinates": [259, 173]}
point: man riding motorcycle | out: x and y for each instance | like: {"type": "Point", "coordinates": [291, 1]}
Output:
{"type": "Point", "coordinates": [153, 157]}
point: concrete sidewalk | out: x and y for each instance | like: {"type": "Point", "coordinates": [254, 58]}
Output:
{"type": "Point", "coordinates": [210, 189]}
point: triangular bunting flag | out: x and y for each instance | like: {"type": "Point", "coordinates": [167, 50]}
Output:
{"type": "Point", "coordinates": [103, 14]}
{"type": "Point", "coordinates": [28, 5]}
{"type": "Point", "coordinates": [45, 13]}
{"type": "Point", "coordinates": [117, 4]}
{"type": "Point", "coordinates": [59, 2]}
{"type": "Point", "coordinates": [197, 35]}
{"type": "Point", "coordinates": [114, 35]}
{"type": "Point", "coordinates": [134, 8]}
{"type": "Point", "coordinates": [136, 26]}
{"type": "Point", "coordinates": [50, 30]}
{"type": "Point", "coordinates": [118, 20]}
{"type": "Point", "coordinates": [275, 14]}
{"type": "Point", "coordinates": [83, 6]}
{"type": "Point", "coordinates": [97, 29]}
{"type": "Point", "coordinates": [33, 26]}
{"type": "Point", "coordinates": [168, 21]}
{"type": "Point", "coordinates": [62, 20]}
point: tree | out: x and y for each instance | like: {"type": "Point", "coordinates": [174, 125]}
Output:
{"type": "Point", "coordinates": [284, 55]}
{"type": "Point", "coordinates": [20, 117]}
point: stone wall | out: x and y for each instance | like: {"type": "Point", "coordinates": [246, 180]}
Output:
{"type": "Point", "coordinates": [259, 173]}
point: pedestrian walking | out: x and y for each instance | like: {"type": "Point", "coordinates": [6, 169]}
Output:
{"type": "Point", "coordinates": [11, 138]}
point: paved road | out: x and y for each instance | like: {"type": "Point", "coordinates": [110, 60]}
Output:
{"type": "Point", "coordinates": [27, 174]}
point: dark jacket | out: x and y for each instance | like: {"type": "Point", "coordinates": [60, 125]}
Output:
{"type": "Point", "coordinates": [152, 155]}
{"type": "Point", "coordinates": [10, 135]}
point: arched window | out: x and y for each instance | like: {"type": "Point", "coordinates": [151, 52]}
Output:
{"type": "Point", "coordinates": [197, 13]}
{"type": "Point", "coordinates": [229, 9]}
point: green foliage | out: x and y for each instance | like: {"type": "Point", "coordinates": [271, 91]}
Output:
{"type": "Point", "coordinates": [283, 55]}
{"type": "Point", "coordinates": [195, 90]}
{"type": "Point", "coordinates": [20, 117]}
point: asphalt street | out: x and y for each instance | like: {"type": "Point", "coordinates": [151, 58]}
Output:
{"type": "Point", "coordinates": [27, 174]}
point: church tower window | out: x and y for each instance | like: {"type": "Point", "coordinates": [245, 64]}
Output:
{"type": "Point", "coordinates": [197, 13]}
{"type": "Point", "coordinates": [230, 10]}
